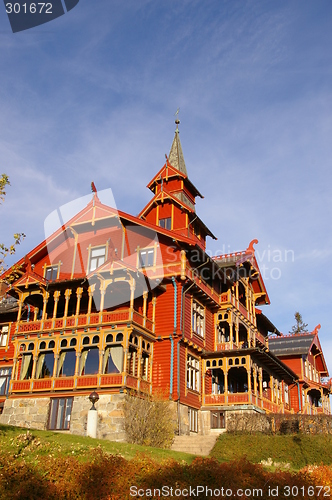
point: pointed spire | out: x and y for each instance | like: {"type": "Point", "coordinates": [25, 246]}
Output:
{"type": "Point", "coordinates": [175, 156]}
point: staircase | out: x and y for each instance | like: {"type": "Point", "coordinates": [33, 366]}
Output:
{"type": "Point", "coordinates": [194, 444]}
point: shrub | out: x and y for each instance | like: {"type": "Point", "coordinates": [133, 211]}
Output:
{"type": "Point", "coordinates": [149, 421]}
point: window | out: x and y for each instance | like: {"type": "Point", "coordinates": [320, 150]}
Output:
{"type": "Point", "coordinates": [198, 319]}
{"type": "Point", "coordinates": [60, 413]}
{"type": "Point", "coordinates": [3, 335]}
{"type": "Point", "coordinates": [132, 361]}
{"type": "Point", "coordinates": [146, 257]}
{"type": "Point", "coordinates": [113, 359]}
{"type": "Point", "coordinates": [5, 374]}
{"type": "Point", "coordinates": [89, 361]}
{"type": "Point", "coordinates": [286, 395]}
{"type": "Point", "coordinates": [97, 258]}
{"type": "Point", "coordinates": [145, 362]}
{"type": "Point", "coordinates": [26, 367]}
{"type": "Point", "coordinates": [45, 365]}
{"type": "Point", "coordinates": [193, 420]}
{"type": "Point", "coordinates": [51, 273]}
{"type": "Point", "coordinates": [66, 364]}
{"type": "Point", "coordinates": [193, 373]}
{"type": "Point", "coordinates": [217, 420]}
{"type": "Point", "coordinates": [166, 223]}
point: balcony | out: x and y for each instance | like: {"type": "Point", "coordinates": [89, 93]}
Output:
{"type": "Point", "coordinates": [87, 320]}
{"type": "Point", "coordinates": [108, 381]}
{"type": "Point", "coordinates": [227, 300]}
{"type": "Point", "coordinates": [240, 398]}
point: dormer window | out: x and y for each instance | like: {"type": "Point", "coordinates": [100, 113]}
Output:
{"type": "Point", "coordinates": [51, 273]}
{"type": "Point", "coordinates": [146, 257]}
{"type": "Point", "coordinates": [166, 223]}
{"type": "Point", "coordinates": [97, 257]}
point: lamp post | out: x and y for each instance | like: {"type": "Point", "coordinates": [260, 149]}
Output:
{"type": "Point", "coordinates": [94, 398]}
{"type": "Point", "coordinates": [91, 430]}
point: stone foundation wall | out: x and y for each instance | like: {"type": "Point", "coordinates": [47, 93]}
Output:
{"type": "Point", "coordinates": [110, 417]}
{"type": "Point", "coordinates": [182, 415]}
{"type": "Point", "coordinates": [34, 414]}
{"type": "Point", "coordinates": [246, 420]}
{"type": "Point", "coordinates": [30, 412]}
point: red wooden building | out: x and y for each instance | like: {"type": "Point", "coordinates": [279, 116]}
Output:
{"type": "Point", "coordinates": [112, 302]}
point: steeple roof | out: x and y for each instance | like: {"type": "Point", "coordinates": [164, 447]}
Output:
{"type": "Point", "coordinates": [176, 158]}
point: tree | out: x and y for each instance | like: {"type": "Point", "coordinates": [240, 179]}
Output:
{"type": "Point", "coordinates": [300, 326]}
{"type": "Point", "coordinates": [18, 237]}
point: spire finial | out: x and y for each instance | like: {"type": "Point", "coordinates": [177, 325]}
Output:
{"type": "Point", "coordinates": [177, 121]}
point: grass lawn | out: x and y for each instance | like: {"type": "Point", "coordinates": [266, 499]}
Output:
{"type": "Point", "coordinates": [298, 450]}
{"type": "Point", "coordinates": [34, 444]}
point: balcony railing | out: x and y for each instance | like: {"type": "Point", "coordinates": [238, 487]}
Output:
{"type": "Point", "coordinates": [80, 382]}
{"type": "Point", "coordinates": [86, 320]}
{"type": "Point", "coordinates": [240, 398]}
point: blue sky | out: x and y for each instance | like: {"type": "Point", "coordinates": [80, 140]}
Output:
{"type": "Point", "coordinates": [92, 96]}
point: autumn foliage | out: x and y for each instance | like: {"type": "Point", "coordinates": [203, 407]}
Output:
{"type": "Point", "coordinates": [109, 477]}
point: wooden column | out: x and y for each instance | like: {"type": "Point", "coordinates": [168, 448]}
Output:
{"type": "Point", "coordinates": [226, 385]}
{"type": "Point", "coordinates": [91, 289]}
{"type": "Point", "coordinates": [237, 334]}
{"type": "Point", "coordinates": [56, 297]}
{"type": "Point", "coordinates": [271, 388]}
{"type": "Point", "coordinates": [55, 367]}
{"type": "Point", "coordinates": [249, 383]}
{"type": "Point", "coordinates": [154, 302]}
{"type": "Point", "coordinates": [67, 297]}
{"type": "Point", "coordinates": [77, 364]}
{"type": "Point", "coordinates": [145, 299]}
{"type": "Point", "coordinates": [34, 366]}
{"type": "Point", "coordinates": [132, 294]}
{"type": "Point", "coordinates": [35, 313]}
{"type": "Point", "coordinates": [20, 305]}
{"type": "Point", "coordinates": [79, 293]}
{"type": "Point", "coordinates": [260, 382]}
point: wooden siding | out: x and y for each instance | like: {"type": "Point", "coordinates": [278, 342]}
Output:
{"type": "Point", "coordinates": [161, 367]}
{"type": "Point", "coordinates": [165, 312]}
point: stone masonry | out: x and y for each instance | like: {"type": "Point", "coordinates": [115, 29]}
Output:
{"type": "Point", "coordinates": [34, 414]}
{"type": "Point", "coordinates": [29, 412]}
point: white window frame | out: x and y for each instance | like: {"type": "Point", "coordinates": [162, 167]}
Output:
{"type": "Point", "coordinates": [198, 318]}
{"type": "Point", "coordinates": [146, 262]}
{"type": "Point", "coordinates": [97, 258]}
{"type": "Point", "coordinates": [193, 373]}
{"type": "Point", "coordinates": [54, 266]}
{"type": "Point", "coordinates": [4, 333]}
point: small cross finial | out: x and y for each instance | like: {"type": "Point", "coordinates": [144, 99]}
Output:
{"type": "Point", "coordinates": [177, 121]}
